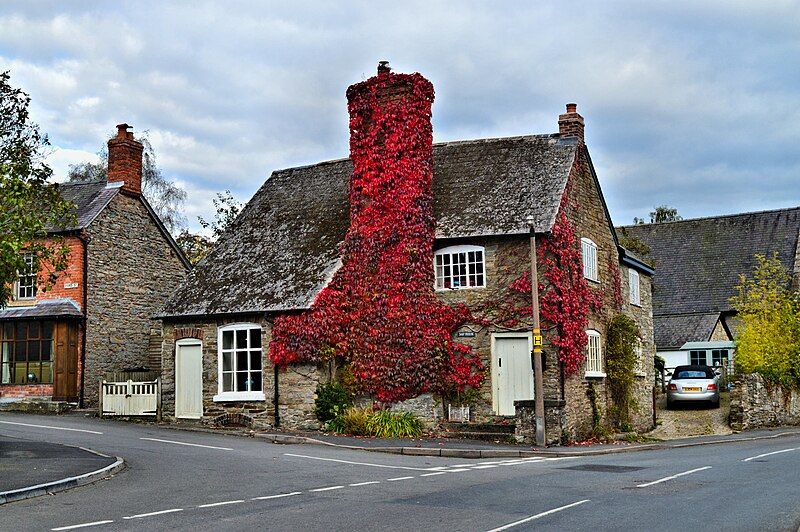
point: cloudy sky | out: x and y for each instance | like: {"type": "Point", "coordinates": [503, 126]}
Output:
{"type": "Point", "coordinates": [687, 103]}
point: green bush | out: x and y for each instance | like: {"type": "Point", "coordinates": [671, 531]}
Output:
{"type": "Point", "coordinates": [621, 360]}
{"type": "Point", "coordinates": [357, 421]}
{"type": "Point", "coordinates": [332, 400]}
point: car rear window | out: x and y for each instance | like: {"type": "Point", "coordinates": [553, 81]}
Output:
{"type": "Point", "coordinates": [693, 374]}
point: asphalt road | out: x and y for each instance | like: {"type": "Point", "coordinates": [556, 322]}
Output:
{"type": "Point", "coordinates": [185, 480]}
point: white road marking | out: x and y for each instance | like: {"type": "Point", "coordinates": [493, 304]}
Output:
{"type": "Point", "coordinates": [362, 463]}
{"type": "Point", "coordinates": [139, 516]}
{"type": "Point", "coordinates": [434, 474]}
{"type": "Point", "coordinates": [366, 483]}
{"type": "Point", "coordinates": [188, 444]}
{"type": "Point", "coordinates": [672, 477]}
{"type": "Point", "coordinates": [769, 454]}
{"type": "Point", "coordinates": [537, 516]}
{"type": "Point", "coordinates": [459, 470]}
{"type": "Point", "coordinates": [82, 525]}
{"type": "Point", "coordinates": [488, 466]}
{"type": "Point", "coordinates": [223, 503]}
{"type": "Point", "coordinates": [278, 496]}
{"type": "Point", "coordinates": [50, 427]}
{"type": "Point", "coordinates": [398, 478]}
{"type": "Point", "coordinates": [329, 488]}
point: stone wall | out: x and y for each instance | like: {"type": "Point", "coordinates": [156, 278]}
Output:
{"type": "Point", "coordinates": [555, 421]}
{"type": "Point", "coordinates": [756, 403]}
{"type": "Point", "coordinates": [132, 270]}
{"type": "Point", "coordinates": [296, 385]}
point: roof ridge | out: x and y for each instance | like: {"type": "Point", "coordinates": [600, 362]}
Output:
{"type": "Point", "coordinates": [78, 183]}
{"type": "Point", "coordinates": [720, 216]}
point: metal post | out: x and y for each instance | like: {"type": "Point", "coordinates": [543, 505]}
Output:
{"type": "Point", "coordinates": [538, 380]}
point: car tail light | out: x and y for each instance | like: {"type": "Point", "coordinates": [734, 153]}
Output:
{"type": "Point", "coordinates": [673, 387]}
{"type": "Point", "coordinates": [712, 387]}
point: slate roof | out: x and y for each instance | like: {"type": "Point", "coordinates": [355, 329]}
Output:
{"type": "Point", "coordinates": [51, 308]}
{"type": "Point", "coordinates": [283, 247]}
{"type": "Point", "coordinates": [89, 199]}
{"type": "Point", "coordinates": [674, 330]}
{"type": "Point", "coordinates": [698, 262]}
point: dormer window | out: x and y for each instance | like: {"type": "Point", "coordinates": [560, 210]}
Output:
{"type": "Point", "coordinates": [589, 254]}
{"type": "Point", "coordinates": [459, 267]}
{"type": "Point", "coordinates": [26, 279]}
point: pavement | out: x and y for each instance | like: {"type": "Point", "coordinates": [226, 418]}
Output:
{"type": "Point", "coordinates": [181, 480]}
{"type": "Point", "coordinates": [30, 468]}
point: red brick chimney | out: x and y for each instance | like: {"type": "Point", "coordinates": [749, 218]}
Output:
{"type": "Point", "coordinates": [125, 161]}
{"type": "Point", "coordinates": [570, 124]}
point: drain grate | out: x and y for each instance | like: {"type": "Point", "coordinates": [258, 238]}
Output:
{"type": "Point", "coordinates": [600, 468]}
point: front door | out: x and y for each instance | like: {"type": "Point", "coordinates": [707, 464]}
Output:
{"type": "Point", "coordinates": [512, 371]}
{"type": "Point", "coordinates": [65, 361]}
{"type": "Point", "coordinates": [189, 380]}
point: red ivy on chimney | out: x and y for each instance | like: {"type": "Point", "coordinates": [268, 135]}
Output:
{"type": "Point", "coordinates": [379, 313]}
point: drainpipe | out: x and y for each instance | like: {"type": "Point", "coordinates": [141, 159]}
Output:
{"type": "Point", "coordinates": [275, 400]}
{"type": "Point", "coordinates": [538, 380]}
{"type": "Point", "coordinates": [83, 236]}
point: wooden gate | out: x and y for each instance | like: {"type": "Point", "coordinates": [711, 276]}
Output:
{"type": "Point", "coordinates": [130, 398]}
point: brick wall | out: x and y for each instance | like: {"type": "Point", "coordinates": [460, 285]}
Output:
{"type": "Point", "coordinates": [297, 385]}
{"type": "Point", "coordinates": [26, 390]}
{"type": "Point", "coordinates": [132, 270]}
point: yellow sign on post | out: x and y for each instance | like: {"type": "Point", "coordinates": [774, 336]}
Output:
{"type": "Point", "coordinates": [537, 340]}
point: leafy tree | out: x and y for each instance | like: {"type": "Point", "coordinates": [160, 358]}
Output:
{"type": "Point", "coordinates": [769, 339]}
{"type": "Point", "coordinates": [662, 213]}
{"type": "Point", "coordinates": [166, 198]}
{"type": "Point", "coordinates": [227, 209]}
{"type": "Point", "coordinates": [28, 203]}
{"type": "Point", "coordinates": [633, 243]}
{"type": "Point", "coordinates": [194, 246]}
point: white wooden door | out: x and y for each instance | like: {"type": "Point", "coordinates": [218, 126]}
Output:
{"type": "Point", "coordinates": [189, 381]}
{"type": "Point", "coordinates": [513, 374]}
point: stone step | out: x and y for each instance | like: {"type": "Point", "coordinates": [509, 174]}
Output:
{"type": "Point", "coordinates": [492, 428]}
{"type": "Point", "coordinates": [35, 405]}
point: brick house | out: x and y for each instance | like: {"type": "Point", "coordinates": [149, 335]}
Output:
{"type": "Point", "coordinates": [284, 249]}
{"type": "Point", "coordinates": [698, 264]}
{"type": "Point", "coordinates": [123, 263]}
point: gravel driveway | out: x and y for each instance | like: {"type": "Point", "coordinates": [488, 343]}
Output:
{"type": "Point", "coordinates": [688, 420]}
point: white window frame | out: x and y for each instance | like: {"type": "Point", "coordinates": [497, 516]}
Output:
{"type": "Point", "coordinates": [634, 292]}
{"type": "Point", "coordinates": [471, 273]}
{"type": "Point", "coordinates": [589, 259]}
{"type": "Point", "coordinates": [223, 396]}
{"type": "Point", "coordinates": [29, 276]}
{"type": "Point", "coordinates": [594, 364]}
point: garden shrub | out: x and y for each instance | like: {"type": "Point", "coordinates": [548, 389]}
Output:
{"type": "Point", "coordinates": [621, 360]}
{"type": "Point", "coordinates": [358, 421]}
{"type": "Point", "coordinates": [332, 399]}
{"type": "Point", "coordinates": [352, 421]}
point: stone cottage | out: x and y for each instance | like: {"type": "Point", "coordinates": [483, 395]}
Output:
{"type": "Point", "coordinates": [699, 262]}
{"type": "Point", "coordinates": [284, 249]}
{"type": "Point", "coordinates": [57, 343]}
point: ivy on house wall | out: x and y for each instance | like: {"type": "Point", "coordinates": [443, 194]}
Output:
{"type": "Point", "coordinates": [379, 313]}
{"type": "Point", "coordinates": [622, 336]}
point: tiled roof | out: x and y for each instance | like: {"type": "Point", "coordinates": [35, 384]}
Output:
{"type": "Point", "coordinates": [89, 199]}
{"type": "Point", "coordinates": [283, 247]}
{"type": "Point", "coordinates": [53, 308]}
{"type": "Point", "coordinates": [674, 330]}
{"type": "Point", "coordinates": [698, 262]}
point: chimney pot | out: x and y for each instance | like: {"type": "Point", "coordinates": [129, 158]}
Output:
{"type": "Point", "coordinates": [572, 107]}
{"type": "Point", "coordinates": [122, 131]}
{"type": "Point", "coordinates": [383, 67]}
{"type": "Point", "coordinates": [570, 124]}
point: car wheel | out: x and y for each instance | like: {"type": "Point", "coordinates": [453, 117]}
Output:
{"type": "Point", "coordinates": [670, 405]}
{"type": "Point", "coordinates": [715, 404]}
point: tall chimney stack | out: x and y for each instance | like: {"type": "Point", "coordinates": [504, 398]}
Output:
{"type": "Point", "coordinates": [570, 124]}
{"type": "Point", "coordinates": [125, 161]}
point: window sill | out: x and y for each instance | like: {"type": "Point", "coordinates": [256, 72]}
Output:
{"type": "Point", "coordinates": [595, 281]}
{"type": "Point", "coordinates": [595, 375]}
{"type": "Point", "coordinates": [225, 397]}
{"type": "Point", "coordinates": [459, 289]}
{"type": "Point", "coordinates": [639, 305]}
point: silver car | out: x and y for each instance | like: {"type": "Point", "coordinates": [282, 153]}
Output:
{"type": "Point", "coordinates": [693, 383]}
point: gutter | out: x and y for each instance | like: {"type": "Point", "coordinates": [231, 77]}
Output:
{"type": "Point", "coordinates": [84, 238]}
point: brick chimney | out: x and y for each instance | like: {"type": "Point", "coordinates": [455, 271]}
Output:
{"type": "Point", "coordinates": [125, 161]}
{"type": "Point", "coordinates": [570, 124]}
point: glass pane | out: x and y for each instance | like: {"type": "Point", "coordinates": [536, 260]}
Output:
{"type": "Point", "coordinates": [20, 351]}
{"type": "Point", "coordinates": [255, 338]}
{"type": "Point", "coordinates": [471, 256]}
{"type": "Point", "coordinates": [438, 260]}
{"type": "Point", "coordinates": [479, 280]}
{"type": "Point", "coordinates": [47, 330]}
{"type": "Point", "coordinates": [227, 382]}
{"type": "Point", "coordinates": [34, 374]}
{"type": "Point", "coordinates": [5, 374]}
{"type": "Point", "coordinates": [243, 381]}
{"type": "Point", "coordinates": [226, 362]}
{"type": "Point", "coordinates": [241, 360]}
{"type": "Point", "coordinates": [22, 329]}
{"type": "Point", "coordinates": [241, 339]}
{"type": "Point", "coordinates": [255, 378]}
{"type": "Point", "coordinates": [5, 352]}
{"type": "Point", "coordinates": [47, 349]}
{"type": "Point", "coordinates": [47, 373]}
{"type": "Point", "coordinates": [34, 329]}
{"type": "Point", "coordinates": [446, 259]}
{"type": "Point", "coordinates": [479, 256]}
{"type": "Point", "coordinates": [255, 360]}
{"type": "Point", "coordinates": [8, 330]}
{"type": "Point", "coordinates": [33, 350]}
{"type": "Point", "coordinates": [227, 339]}
{"type": "Point", "coordinates": [19, 374]}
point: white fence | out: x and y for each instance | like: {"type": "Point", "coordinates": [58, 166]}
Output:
{"type": "Point", "coordinates": [130, 398]}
